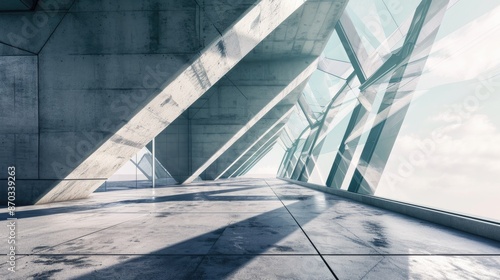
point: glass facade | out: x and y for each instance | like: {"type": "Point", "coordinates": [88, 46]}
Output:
{"type": "Point", "coordinates": [403, 106]}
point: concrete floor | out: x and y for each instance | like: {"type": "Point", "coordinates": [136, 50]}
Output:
{"type": "Point", "coordinates": [238, 229]}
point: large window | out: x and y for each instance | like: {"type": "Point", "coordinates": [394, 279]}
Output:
{"type": "Point", "coordinates": [446, 154]}
{"type": "Point", "coordinates": [417, 119]}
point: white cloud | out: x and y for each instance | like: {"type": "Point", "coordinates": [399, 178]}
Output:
{"type": "Point", "coordinates": [460, 173]}
{"type": "Point", "coordinates": [465, 53]}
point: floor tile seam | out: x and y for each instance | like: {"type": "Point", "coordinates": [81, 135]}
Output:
{"type": "Point", "coordinates": [414, 255]}
{"type": "Point", "coordinates": [375, 265]}
{"type": "Point", "coordinates": [308, 238]}
{"type": "Point", "coordinates": [340, 226]}
{"type": "Point", "coordinates": [208, 251]}
{"type": "Point", "coordinates": [210, 213]}
{"type": "Point", "coordinates": [38, 217]}
{"type": "Point", "coordinates": [393, 263]}
{"type": "Point", "coordinates": [177, 255]}
{"type": "Point", "coordinates": [359, 238]}
{"type": "Point", "coordinates": [269, 254]}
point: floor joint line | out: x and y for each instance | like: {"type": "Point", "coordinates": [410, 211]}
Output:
{"type": "Point", "coordinates": [303, 231]}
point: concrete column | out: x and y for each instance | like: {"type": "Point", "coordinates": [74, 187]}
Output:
{"type": "Point", "coordinates": [214, 135]}
{"type": "Point", "coordinates": [244, 144]}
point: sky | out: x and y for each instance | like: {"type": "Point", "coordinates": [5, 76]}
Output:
{"type": "Point", "coordinates": [461, 89]}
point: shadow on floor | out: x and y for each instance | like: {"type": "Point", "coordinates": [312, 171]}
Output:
{"type": "Point", "coordinates": [220, 253]}
{"type": "Point", "coordinates": [198, 196]}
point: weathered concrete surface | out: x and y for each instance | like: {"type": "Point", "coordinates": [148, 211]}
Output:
{"type": "Point", "coordinates": [173, 145]}
{"type": "Point", "coordinates": [288, 40]}
{"type": "Point", "coordinates": [30, 30]}
{"type": "Point", "coordinates": [237, 102]}
{"type": "Point", "coordinates": [228, 110]}
{"type": "Point", "coordinates": [18, 122]}
{"type": "Point", "coordinates": [252, 105]}
{"type": "Point", "coordinates": [6, 50]}
{"type": "Point", "coordinates": [173, 148]}
{"type": "Point", "coordinates": [175, 96]}
{"type": "Point", "coordinates": [244, 228]}
{"type": "Point", "coordinates": [112, 76]}
{"type": "Point", "coordinates": [17, 5]}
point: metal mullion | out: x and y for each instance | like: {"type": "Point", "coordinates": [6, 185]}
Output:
{"type": "Point", "coordinates": [347, 42]}
{"type": "Point", "coordinates": [420, 20]}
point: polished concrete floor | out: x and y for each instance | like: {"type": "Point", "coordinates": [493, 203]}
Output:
{"type": "Point", "coordinates": [238, 229]}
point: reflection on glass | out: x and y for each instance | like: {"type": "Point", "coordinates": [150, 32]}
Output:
{"type": "Point", "coordinates": [306, 149]}
{"type": "Point", "coordinates": [422, 126]}
{"type": "Point", "coordinates": [137, 173]}
{"type": "Point", "coordinates": [446, 153]}
{"type": "Point", "coordinates": [334, 49]}
{"type": "Point", "coordinates": [297, 149]}
{"type": "Point", "coordinates": [327, 147]}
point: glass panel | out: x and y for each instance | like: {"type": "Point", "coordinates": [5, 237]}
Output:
{"type": "Point", "coordinates": [136, 173]}
{"type": "Point", "coordinates": [305, 152]}
{"type": "Point", "coordinates": [425, 126]}
{"type": "Point", "coordinates": [364, 121]}
{"type": "Point", "coordinates": [281, 170]}
{"type": "Point", "coordinates": [297, 123]}
{"type": "Point", "coordinates": [329, 139]}
{"type": "Point", "coordinates": [285, 138]}
{"type": "Point", "coordinates": [334, 49]}
{"type": "Point", "coordinates": [323, 87]}
{"type": "Point", "coordinates": [377, 28]}
{"type": "Point", "coordinates": [372, 20]}
{"type": "Point", "coordinates": [395, 103]}
{"type": "Point", "coordinates": [337, 68]}
{"type": "Point", "coordinates": [446, 155]}
{"type": "Point", "coordinates": [296, 154]}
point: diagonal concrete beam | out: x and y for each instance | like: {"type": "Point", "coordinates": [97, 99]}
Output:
{"type": "Point", "coordinates": [277, 131]}
{"type": "Point", "coordinates": [177, 95]}
{"type": "Point", "coordinates": [262, 136]}
{"type": "Point", "coordinates": [255, 155]}
{"type": "Point", "coordinates": [261, 155]}
{"type": "Point", "coordinates": [267, 122]}
{"type": "Point", "coordinates": [213, 119]}
{"type": "Point", "coordinates": [296, 84]}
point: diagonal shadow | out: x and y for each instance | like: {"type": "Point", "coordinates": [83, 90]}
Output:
{"type": "Point", "coordinates": [198, 196]}
{"type": "Point", "coordinates": [219, 253]}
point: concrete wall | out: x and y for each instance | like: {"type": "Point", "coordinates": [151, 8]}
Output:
{"type": "Point", "coordinates": [111, 75]}
{"type": "Point", "coordinates": [278, 115]}
{"type": "Point", "coordinates": [215, 118]}
{"type": "Point", "coordinates": [243, 160]}
{"type": "Point", "coordinates": [73, 74]}
{"type": "Point", "coordinates": [19, 120]}
{"type": "Point", "coordinates": [253, 86]}
{"type": "Point", "coordinates": [173, 148]}
{"type": "Point", "coordinates": [232, 109]}
{"type": "Point", "coordinates": [107, 76]}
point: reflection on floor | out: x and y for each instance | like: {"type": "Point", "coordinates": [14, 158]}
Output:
{"type": "Point", "coordinates": [238, 229]}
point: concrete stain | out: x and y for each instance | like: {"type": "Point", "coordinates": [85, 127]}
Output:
{"type": "Point", "coordinates": [380, 239]}
{"type": "Point", "coordinates": [48, 274]}
{"type": "Point", "coordinates": [222, 48]}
